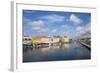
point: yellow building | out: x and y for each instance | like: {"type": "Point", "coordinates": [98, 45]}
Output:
{"type": "Point", "coordinates": [41, 39]}
{"type": "Point", "coordinates": [46, 39]}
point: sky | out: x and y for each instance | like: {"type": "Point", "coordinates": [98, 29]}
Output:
{"type": "Point", "coordinates": [50, 23]}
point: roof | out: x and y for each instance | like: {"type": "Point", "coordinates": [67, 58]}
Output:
{"type": "Point", "coordinates": [39, 37]}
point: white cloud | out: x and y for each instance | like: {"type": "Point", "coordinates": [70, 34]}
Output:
{"type": "Point", "coordinates": [84, 31]}
{"type": "Point", "coordinates": [42, 30]}
{"type": "Point", "coordinates": [76, 20]}
{"type": "Point", "coordinates": [64, 26]}
{"type": "Point", "coordinates": [38, 23]}
{"type": "Point", "coordinates": [38, 26]}
{"type": "Point", "coordinates": [54, 30]}
{"type": "Point", "coordinates": [53, 18]}
{"type": "Point", "coordinates": [79, 28]}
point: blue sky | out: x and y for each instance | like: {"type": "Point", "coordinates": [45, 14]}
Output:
{"type": "Point", "coordinates": [46, 23]}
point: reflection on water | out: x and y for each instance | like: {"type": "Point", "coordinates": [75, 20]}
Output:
{"type": "Point", "coordinates": [56, 51]}
{"type": "Point", "coordinates": [27, 52]}
{"type": "Point", "coordinates": [51, 48]}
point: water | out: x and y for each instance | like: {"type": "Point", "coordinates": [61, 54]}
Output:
{"type": "Point", "coordinates": [57, 52]}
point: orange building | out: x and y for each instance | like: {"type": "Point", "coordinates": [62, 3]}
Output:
{"type": "Point", "coordinates": [40, 39]}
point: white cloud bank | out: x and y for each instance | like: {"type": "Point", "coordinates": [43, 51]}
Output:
{"type": "Point", "coordinates": [53, 18]}
{"type": "Point", "coordinates": [38, 26]}
{"type": "Point", "coordinates": [76, 20]}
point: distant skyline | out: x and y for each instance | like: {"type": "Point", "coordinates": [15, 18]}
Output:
{"type": "Point", "coordinates": [46, 23]}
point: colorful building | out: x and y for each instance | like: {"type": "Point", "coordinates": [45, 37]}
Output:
{"type": "Point", "coordinates": [40, 39]}
{"type": "Point", "coordinates": [27, 39]}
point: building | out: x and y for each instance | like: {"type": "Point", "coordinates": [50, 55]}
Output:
{"type": "Point", "coordinates": [27, 42]}
{"type": "Point", "coordinates": [55, 39]}
{"type": "Point", "coordinates": [51, 39]}
{"type": "Point", "coordinates": [65, 39]}
{"type": "Point", "coordinates": [27, 39]}
{"type": "Point", "coordinates": [41, 39]}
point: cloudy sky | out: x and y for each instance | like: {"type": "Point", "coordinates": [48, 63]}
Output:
{"type": "Point", "coordinates": [48, 23]}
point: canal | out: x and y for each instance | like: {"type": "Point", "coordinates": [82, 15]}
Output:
{"type": "Point", "coordinates": [57, 52]}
